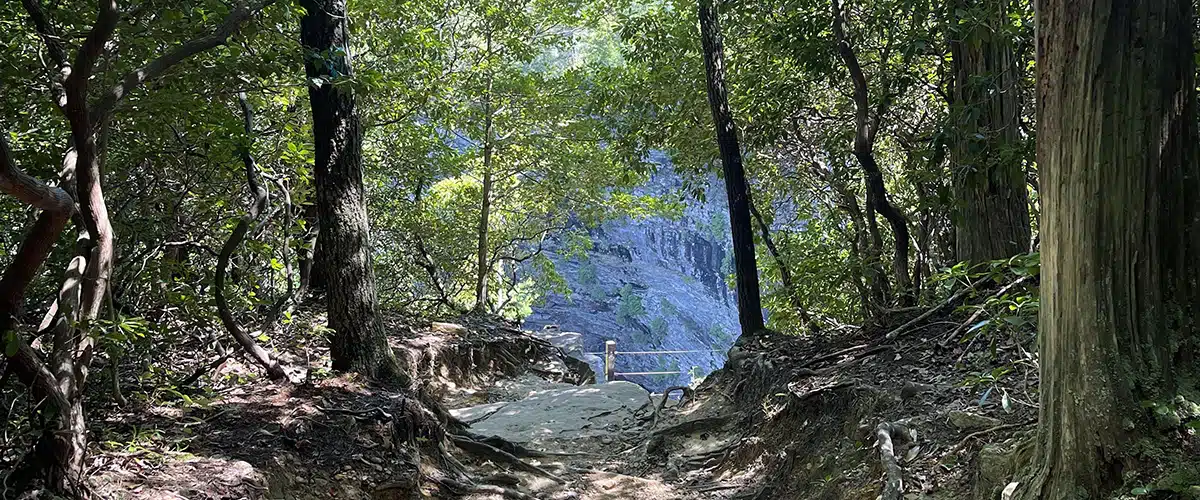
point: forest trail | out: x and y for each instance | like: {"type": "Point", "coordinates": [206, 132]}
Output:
{"type": "Point", "coordinates": [787, 418]}
{"type": "Point", "coordinates": [333, 438]}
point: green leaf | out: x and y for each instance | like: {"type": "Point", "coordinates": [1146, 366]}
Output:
{"type": "Point", "coordinates": [11, 344]}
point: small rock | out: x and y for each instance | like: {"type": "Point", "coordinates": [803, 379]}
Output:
{"type": "Point", "coordinates": [301, 479]}
{"type": "Point", "coordinates": [972, 422]}
{"type": "Point", "coordinates": [911, 389]}
{"type": "Point", "coordinates": [606, 440]}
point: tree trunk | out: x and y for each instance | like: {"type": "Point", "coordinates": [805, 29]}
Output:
{"type": "Point", "coordinates": [358, 342]}
{"type": "Point", "coordinates": [1121, 283]}
{"type": "Point", "coordinates": [308, 253]}
{"type": "Point", "coordinates": [257, 210]}
{"type": "Point", "coordinates": [988, 175]}
{"type": "Point", "coordinates": [57, 207]}
{"type": "Point", "coordinates": [749, 303]}
{"type": "Point", "coordinates": [881, 291]}
{"type": "Point", "coordinates": [873, 293]}
{"type": "Point", "coordinates": [864, 151]}
{"type": "Point", "coordinates": [483, 266]}
{"type": "Point", "coordinates": [785, 274]}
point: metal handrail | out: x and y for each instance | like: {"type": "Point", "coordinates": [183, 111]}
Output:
{"type": "Point", "coordinates": [598, 353]}
{"type": "Point", "coordinates": [610, 359]}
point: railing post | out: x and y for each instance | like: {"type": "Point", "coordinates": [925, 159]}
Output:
{"type": "Point", "coordinates": [610, 360]}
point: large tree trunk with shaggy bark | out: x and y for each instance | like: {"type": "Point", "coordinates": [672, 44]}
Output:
{"type": "Point", "coordinates": [1120, 234]}
{"type": "Point", "coordinates": [991, 215]}
{"type": "Point", "coordinates": [358, 342]}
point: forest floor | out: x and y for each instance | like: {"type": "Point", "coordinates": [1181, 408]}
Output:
{"type": "Point", "coordinates": [788, 418]}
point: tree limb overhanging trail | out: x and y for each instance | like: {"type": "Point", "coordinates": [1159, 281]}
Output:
{"type": "Point", "coordinates": [933, 310]}
{"type": "Point", "coordinates": [258, 205]}
{"type": "Point", "coordinates": [979, 311]}
{"type": "Point", "coordinates": [219, 36]}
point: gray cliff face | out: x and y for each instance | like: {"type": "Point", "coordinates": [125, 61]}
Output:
{"type": "Point", "coordinates": [652, 285]}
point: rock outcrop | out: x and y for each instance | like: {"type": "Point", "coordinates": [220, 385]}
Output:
{"type": "Point", "coordinates": [652, 284]}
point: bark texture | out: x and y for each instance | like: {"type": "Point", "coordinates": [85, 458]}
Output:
{"type": "Point", "coordinates": [1120, 235]}
{"type": "Point", "coordinates": [991, 202]}
{"type": "Point", "coordinates": [749, 302]}
{"type": "Point", "coordinates": [358, 342]}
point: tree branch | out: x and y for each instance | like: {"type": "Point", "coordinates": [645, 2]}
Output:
{"type": "Point", "coordinates": [28, 189]}
{"type": "Point", "coordinates": [262, 356]}
{"type": "Point", "coordinates": [53, 40]}
{"type": "Point", "coordinates": [155, 68]}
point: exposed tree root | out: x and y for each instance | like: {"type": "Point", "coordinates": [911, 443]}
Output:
{"type": "Point", "coordinates": [802, 396]}
{"type": "Point", "coordinates": [889, 434]}
{"type": "Point", "coordinates": [688, 395]}
{"type": "Point", "coordinates": [512, 448]}
{"type": "Point", "coordinates": [497, 455]}
{"type": "Point", "coordinates": [465, 488]}
{"type": "Point", "coordinates": [658, 439]}
{"type": "Point", "coordinates": [962, 444]}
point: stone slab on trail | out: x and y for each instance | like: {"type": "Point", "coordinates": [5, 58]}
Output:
{"type": "Point", "coordinates": [560, 414]}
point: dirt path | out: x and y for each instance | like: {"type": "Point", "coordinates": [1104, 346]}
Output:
{"type": "Point", "coordinates": [586, 435]}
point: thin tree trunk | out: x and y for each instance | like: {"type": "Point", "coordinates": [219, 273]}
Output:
{"type": "Point", "coordinates": [72, 354]}
{"type": "Point", "coordinates": [308, 253]}
{"type": "Point", "coordinates": [846, 200]}
{"type": "Point", "coordinates": [736, 190]}
{"type": "Point", "coordinates": [483, 266]}
{"type": "Point", "coordinates": [874, 294]}
{"type": "Point", "coordinates": [785, 274]}
{"type": "Point", "coordinates": [864, 151]}
{"type": "Point", "coordinates": [358, 342]}
{"type": "Point", "coordinates": [873, 242]}
{"type": "Point", "coordinates": [257, 208]}
{"type": "Point", "coordinates": [1120, 278]}
{"type": "Point", "coordinates": [424, 260]}
{"type": "Point", "coordinates": [991, 203]}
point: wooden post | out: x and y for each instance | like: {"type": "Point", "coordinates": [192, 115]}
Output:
{"type": "Point", "coordinates": [610, 360]}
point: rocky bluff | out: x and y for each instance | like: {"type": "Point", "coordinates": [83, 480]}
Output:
{"type": "Point", "coordinates": [652, 284]}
